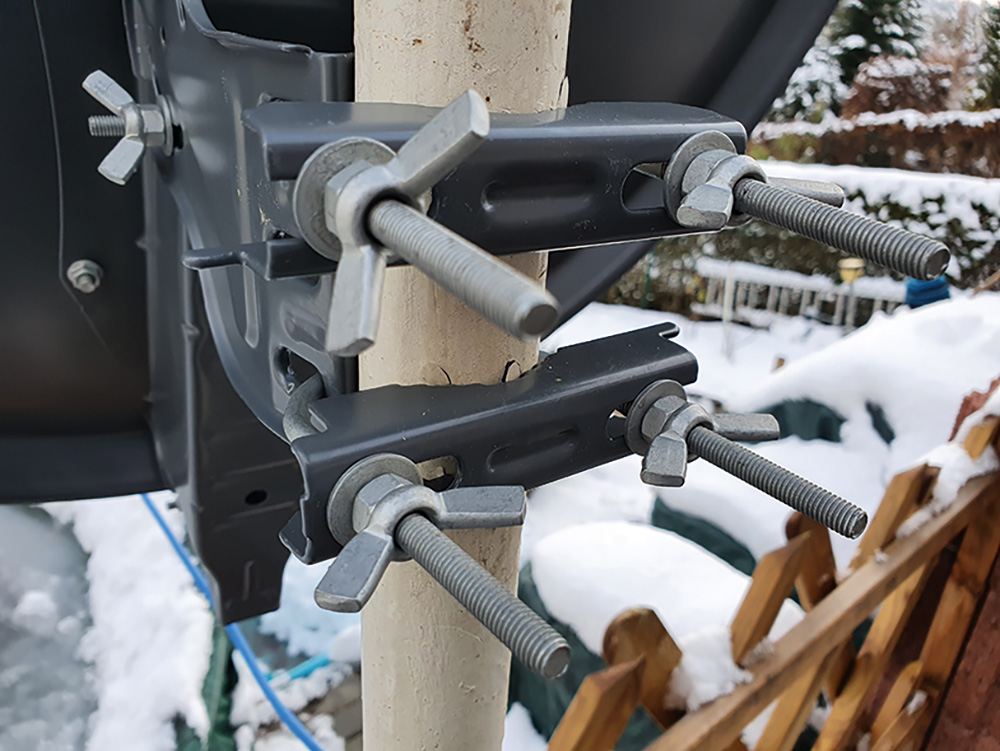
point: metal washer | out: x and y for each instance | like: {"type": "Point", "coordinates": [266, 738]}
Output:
{"type": "Point", "coordinates": [340, 508]}
{"type": "Point", "coordinates": [309, 195]}
{"type": "Point", "coordinates": [673, 176]}
{"type": "Point", "coordinates": [633, 427]}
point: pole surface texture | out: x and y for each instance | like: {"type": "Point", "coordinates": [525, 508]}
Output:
{"type": "Point", "coordinates": [432, 676]}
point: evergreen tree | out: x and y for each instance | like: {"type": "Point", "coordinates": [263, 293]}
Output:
{"type": "Point", "coordinates": [990, 81]}
{"type": "Point", "coordinates": [863, 29]}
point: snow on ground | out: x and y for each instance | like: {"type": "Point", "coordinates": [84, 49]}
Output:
{"type": "Point", "coordinates": [43, 613]}
{"type": "Point", "coordinates": [151, 637]}
{"type": "Point", "coordinates": [753, 352]}
{"type": "Point", "coordinates": [589, 574]}
{"type": "Point", "coordinates": [305, 628]}
{"type": "Point", "coordinates": [917, 365]}
{"type": "Point", "coordinates": [519, 734]}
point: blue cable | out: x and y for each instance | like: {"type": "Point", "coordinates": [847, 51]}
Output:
{"type": "Point", "coordinates": [236, 636]}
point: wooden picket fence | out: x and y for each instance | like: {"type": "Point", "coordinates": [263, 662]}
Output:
{"type": "Point", "coordinates": [888, 574]}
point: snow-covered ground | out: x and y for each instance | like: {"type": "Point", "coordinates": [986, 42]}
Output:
{"type": "Point", "coordinates": [148, 639]}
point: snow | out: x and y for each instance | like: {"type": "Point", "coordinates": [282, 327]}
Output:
{"type": "Point", "coordinates": [519, 734]}
{"type": "Point", "coordinates": [956, 468]}
{"type": "Point", "coordinates": [720, 376]}
{"type": "Point", "coordinates": [883, 287]}
{"type": "Point", "coordinates": [43, 596]}
{"type": "Point", "coordinates": [706, 670]}
{"type": "Point", "coordinates": [589, 574]}
{"type": "Point", "coordinates": [910, 119]}
{"type": "Point", "coordinates": [151, 637]}
{"type": "Point", "coordinates": [305, 629]}
{"type": "Point", "coordinates": [251, 708]}
{"type": "Point", "coordinates": [346, 645]}
{"type": "Point", "coordinates": [916, 364]}
{"type": "Point", "coordinates": [37, 612]}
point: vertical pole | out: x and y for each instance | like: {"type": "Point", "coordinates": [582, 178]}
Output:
{"type": "Point", "coordinates": [432, 676]}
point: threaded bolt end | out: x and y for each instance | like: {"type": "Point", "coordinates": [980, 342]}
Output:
{"type": "Point", "coordinates": [829, 509]}
{"type": "Point", "coordinates": [893, 248]}
{"type": "Point", "coordinates": [508, 299]}
{"type": "Point", "coordinates": [533, 641]}
{"type": "Point", "coordinates": [106, 126]}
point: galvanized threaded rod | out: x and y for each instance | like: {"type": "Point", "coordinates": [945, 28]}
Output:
{"type": "Point", "coordinates": [106, 126]}
{"type": "Point", "coordinates": [533, 641]}
{"type": "Point", "coordinates": [829, 509]}
{"type": "Point", "coordinates": [508, 299]}
{"type": "Point", "coordinates": [893, 248]}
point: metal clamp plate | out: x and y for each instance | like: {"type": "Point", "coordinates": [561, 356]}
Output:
{"type": "Point", "coordinates": [557, 419]}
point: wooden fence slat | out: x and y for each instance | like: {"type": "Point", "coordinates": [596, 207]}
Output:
{"type": "Point", "coordinates": [906, 731]}
{"type": "Point", "coordinates": [981, 436]}
{"type": "Point", "coordinates": [817, 578]}
{"type": "Point", "coordinates": [961, 594]}
{"type": "Point", "coordinates": [905, 492]}
{"type": "Point", "coordinates": [771, 584]}
{"type": "Point", "coordinates": [600, 710]}
{"type": "Point", "coordinates": [794, 707]}
{"type": "Point", "coordinates": [897, 698]}
{"type": "Point", "coordinates": [833, 620]}
{"type": "Point", "coordinates": [818, 571]}
{"type": "Point", "coordinates": [639, 633]}
{"type": "Point", "coordinates": [872, 659]}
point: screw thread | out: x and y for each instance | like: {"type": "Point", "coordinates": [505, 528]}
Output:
{"type": "Point", "coordinates": [829, 509]}
{"type": "Point", "coordinates": [893, 248]}
{"type": "Point", "coordinates": [106, 126]}
{"type": "Point", "coordinates": [529, 638]}
{"type": "Point", "coordinates": [494, 290]}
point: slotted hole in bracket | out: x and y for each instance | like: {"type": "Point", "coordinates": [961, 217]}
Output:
{"type": "Point", "coordinates": [441, 473]}
{"type": "Point", "coordinates": [614, 428]}
{"type": "Point", "coordinates": [643, 188]}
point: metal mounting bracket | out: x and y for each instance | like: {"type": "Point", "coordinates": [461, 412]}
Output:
{"type": "Point", "coordinates": [557, 419]}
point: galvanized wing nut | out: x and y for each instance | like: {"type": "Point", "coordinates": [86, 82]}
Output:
{"type": "Point", "coordinates": [358, 202]}
{"type": "Point", "coordinates": [394, 517]}
{"type": "Point", "coordinates": [668, 430]}
{"type": "Point", "coordinates": [139, 125]}
{"type": "Point", "coordinates": [708, 186]}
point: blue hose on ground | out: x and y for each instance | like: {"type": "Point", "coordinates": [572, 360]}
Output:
{"type": "Point", "coordinates": [236, 636]}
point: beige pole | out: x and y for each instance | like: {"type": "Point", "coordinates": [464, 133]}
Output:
{"type": "Point", "coordinates": [432, 676]}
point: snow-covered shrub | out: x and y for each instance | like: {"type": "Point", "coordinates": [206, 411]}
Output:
{"type": "Point", "coordinates": [954, 37]}
{"type": "Point", "coordinates": [863, 29]}
{"type": "Point", "coordinates": [962, 212]}
{"type": "Point", "coordinates": [814, 89]}
{"type": "Point", "coordinates": [890, 84]}
{"type": "Point", "coordinates": [989, 82]}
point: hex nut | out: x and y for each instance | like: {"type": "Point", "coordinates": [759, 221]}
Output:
{"type": "Point", "coordinates": [85, 275]}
